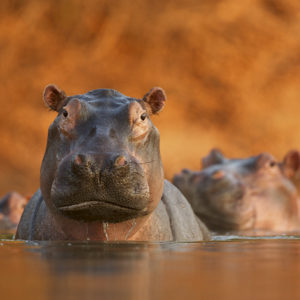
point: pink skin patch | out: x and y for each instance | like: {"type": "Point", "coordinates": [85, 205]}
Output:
{"type": "Point", "coordinates": [120, 161]}
{"type": "Point", "coordinates": [218, 174]}
{"type": "Point", "coordinates": [70, 116]}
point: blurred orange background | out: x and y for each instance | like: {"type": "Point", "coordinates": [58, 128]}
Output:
{"type": "Point", "coordinates": [230, 69]}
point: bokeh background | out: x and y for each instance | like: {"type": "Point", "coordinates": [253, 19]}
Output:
{"type": "Point", "coordinates": [230, 68]}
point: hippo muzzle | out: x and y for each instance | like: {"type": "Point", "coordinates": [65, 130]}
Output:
{"type": "Point", "coordinates": [113, 188]}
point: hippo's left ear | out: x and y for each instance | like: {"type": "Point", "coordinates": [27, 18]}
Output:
{"type": "Point", "coordinates": [54, 97]}
{"type": "Point", "coordinates": [291, 163]}
{"type": "Point", "coordinates": [155, 98]}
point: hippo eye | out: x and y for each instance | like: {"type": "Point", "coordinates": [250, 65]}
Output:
{"type": "Point", "coordinates": [272, 163]}
{"type": "Point", "coordinates": [143, 116]}
{"type": "Point", "coordinates": [65, 113]}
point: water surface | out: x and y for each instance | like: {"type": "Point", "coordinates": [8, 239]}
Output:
{"type": "Point", "coordinates": [228, 267]}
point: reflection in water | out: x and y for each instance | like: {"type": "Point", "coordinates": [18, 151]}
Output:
{"type": "Point", "coordinates": [97, 270]}
{"type": "Point", "coordinates": [226, 268]}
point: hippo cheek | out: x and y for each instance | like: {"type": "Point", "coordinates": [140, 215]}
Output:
{"type": "Point", "coordinates": [227, 197]}
{"type": "Point", "coordinates": [233, 201]}
{"type": "Point", "coordinates": [226, 210]}
{"type": "Point", "coordinates": [237, 208]}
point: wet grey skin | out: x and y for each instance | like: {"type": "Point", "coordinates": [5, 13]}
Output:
{"type": "Point", "coordinates": [101, 166]}
{"type": "Point", "coordinates": [239, 195]}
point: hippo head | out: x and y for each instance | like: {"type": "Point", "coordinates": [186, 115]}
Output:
{"type": "Point", "coordinates": [11, 209]}
{"type": "Point", "coordinates": [237, 194]}
{"type": "Point", "coordinates": [102, 161]}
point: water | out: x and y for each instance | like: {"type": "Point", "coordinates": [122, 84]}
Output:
{"type": "Point", "coordinates": [229, 267]}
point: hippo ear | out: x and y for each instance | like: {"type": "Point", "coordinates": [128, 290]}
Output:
{"type": "Point", "coordinates": [215, 157]}
{"type": "Point", "coordinates": [291, 163]}
{"type": "Point", "coordinates": [54, 97]}
{"type": "Point", "coordinates": [155, 98]}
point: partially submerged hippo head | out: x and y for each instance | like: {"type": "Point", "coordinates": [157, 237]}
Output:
{"type": "Point", "coordinates": [11, 209]}
{"type": "Point", "coordinates": [102, 161]}
{"type": "Point", "coordinates": [290, 167]}
{"type": "Point", "coordinates": [240, 194]}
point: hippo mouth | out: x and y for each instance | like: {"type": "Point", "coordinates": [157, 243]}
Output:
{"type": "Point", "coordinates": [112, 195]}
{"type": "Point", "coordinates": [95, 204]}
{"type": "Point", "coordinates": [101, 210]}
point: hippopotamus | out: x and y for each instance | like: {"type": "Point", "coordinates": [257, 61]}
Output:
{"type": "Point", "coordinates": [290, 167]}
{"type": "Point", "coordinates": [245, 196]}
{"type": "Point", "coordinates": [102, 177]}
{"type": "Point", "coordinates": [11, 208]}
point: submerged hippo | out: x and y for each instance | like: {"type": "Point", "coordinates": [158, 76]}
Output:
{"type": "Point", "coordinates": [11, 209]}
{"type": "Point", "coordinates": [245, 195]}
{"type": "Point", "coordinates": [291, 167]}
{"type": "Point", "coordinates": [102, 177]}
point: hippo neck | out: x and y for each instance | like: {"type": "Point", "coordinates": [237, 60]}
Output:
{"type": "Point", "coordinates": [101, 231]}
{"type": "Point", "coordinates": [71, 229]}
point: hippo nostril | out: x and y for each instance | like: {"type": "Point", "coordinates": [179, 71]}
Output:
{"type": "Point", "coordinates": [79, 159]}
{"type": "Point", "coordinates": [120, 161]}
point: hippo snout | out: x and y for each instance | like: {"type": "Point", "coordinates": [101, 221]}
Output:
{"type": "Point", "coordinates": [107, 186]}
{"type": "Point", "coordinates": [89, 164]}
{"type": "Point", "coordinates": [86, 159]}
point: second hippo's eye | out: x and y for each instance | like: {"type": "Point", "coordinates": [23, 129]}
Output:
{"type": "Point", "coordinates": [272, 163]}
{"type": "Point", "coordinates": [143, 116]}
{"type": "Point", "coordinates": [65, 113]}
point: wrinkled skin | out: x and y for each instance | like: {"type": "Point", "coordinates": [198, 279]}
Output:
{"type": "Point", "coordinates": [102, 176]}
{"type": "Point", "coordinates": [245, 196]}
{"type": "Point", "coordinates": [11, 209]}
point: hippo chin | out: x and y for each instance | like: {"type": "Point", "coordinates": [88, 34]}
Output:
{"type": "Point", "coordinates": [245, 196]}
{"type": "Point", "coordinates": [102, 176]}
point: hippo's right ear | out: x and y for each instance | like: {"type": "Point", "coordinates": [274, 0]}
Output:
{"type": "Point", "coordinates": [155, 98]}
{"type": "Point", "coordinates": [215, 157]}
{"type": "Point", "coordinates": [54, 97]}
{"type": "Point", "coordinates": [291, 163]}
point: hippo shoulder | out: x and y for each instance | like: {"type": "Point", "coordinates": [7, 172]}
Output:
{"type": "Point", "coordinates": [36, 223]}
{"type": "Point", "coordinates": [157, 227]}
{"type": "Point", "coordinates": [25, 224]}
{"type": "Point", "coordinates": [185, 225]}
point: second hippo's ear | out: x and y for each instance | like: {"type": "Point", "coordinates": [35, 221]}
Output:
{"type": "Point", "coordinates": [155, 98]}
{"type": "Point", "coordinates": [54, 97]}
{"type": "Point", "coordinates": [291, 163]}
{"type": "Point", "coordinates": [215, 157]}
